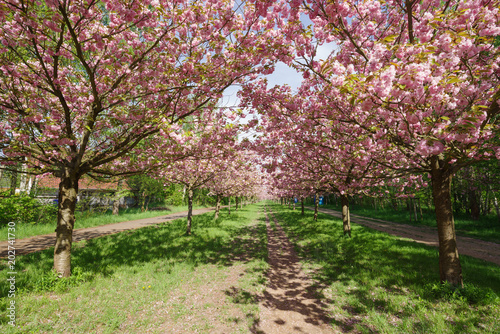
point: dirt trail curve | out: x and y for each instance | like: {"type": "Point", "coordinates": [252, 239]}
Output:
{"type": "Point", "coordinates": [41, 242]}
{"type": "Point", "coordinates": [480, 249]}
{"type": "Point", "coordinates": [288, 304]}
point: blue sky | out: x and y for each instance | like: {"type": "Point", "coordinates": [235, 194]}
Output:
{"type": "Point", "coordinates": [281, 76]}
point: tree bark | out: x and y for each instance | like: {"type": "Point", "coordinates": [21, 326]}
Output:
{"type": "Point", "coordinates": [217, 206]}
{"type": "Point", "coordinates": [450, 269]}
{"type": "Point", "coordinates": [116, 203]}
{"type": "Point", "coordinates": [495, 203]}
{"type": "Point", "coordinates": [13, 183]}
{"type": "Point", "coordinates": [23, 183]}
{"type": "Point", "coordinates": [229, 205]}
{"type": "Point", "coordinates": [68, 191]}
{"type": "Point", "coordinates": [346, 216]}
{"type": "Point", "coordinates": [237, 202]}
{"type": "Point", "coordinates": [302, 205]}
{"type": "Point", "coordinates": [190, 211]}
{"type": "Point", "coordinates": [316, 204]}
{"type": "Point", "coordinates": [143, 201]}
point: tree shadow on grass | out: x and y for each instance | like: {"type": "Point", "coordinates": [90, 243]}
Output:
{"type": "Point", "coordinates": [221, 242]}
{"type": "Point", "coordinates": [373, 260]}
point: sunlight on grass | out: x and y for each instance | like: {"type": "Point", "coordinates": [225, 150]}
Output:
{"type": "Point", "coordinates": [128, 281]}
{"type": "Point", "coordinates": [486, 228]}
{"type": "Point", "coordinates": [86, 219]}
{"type": "Point", "coordinates": [379, 283]}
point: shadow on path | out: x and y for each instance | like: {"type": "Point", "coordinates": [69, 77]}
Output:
{"type": "Point", "coordinates": [289, 303]}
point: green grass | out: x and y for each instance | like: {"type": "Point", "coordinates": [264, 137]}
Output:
{"type": "Point", "coordinates": [89, 219]}
{"type": "Point", "coordinates": [378, 283]}
{"type": "Point", "coordinates": [486, 228]}
{"type": "Point", "coordinates": [125, 281]}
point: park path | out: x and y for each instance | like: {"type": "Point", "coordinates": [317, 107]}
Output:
{"type": "Point", "coordinates": [41, 242]}
{"type": "Point", "coordinates": [480, 249]}
{"type": "Point", "coordinates": [288, 304]}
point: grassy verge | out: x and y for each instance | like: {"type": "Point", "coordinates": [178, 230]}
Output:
{"type": "Point", "coordinates": [89, 219]}
{"type": "Point", "coordinates": [486, 228]}
{"type": "Point", "coordinates": [148, 280]}
{"type": "Point", "coordinates": [378, 283]}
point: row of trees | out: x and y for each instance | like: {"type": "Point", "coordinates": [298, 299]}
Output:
{"type": "Point", "coordinates": [104, 87]}
{"type": "Point", "coordinates": [412, 89]}
{"type": "Point", "coordinates": [121, 87]}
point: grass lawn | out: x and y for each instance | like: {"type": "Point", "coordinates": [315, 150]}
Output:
{"type": "Point", "coordinates": [148, 280]}
{"type": "Point", "coordinates": [486, 228]}
{"type": "Point", "coordinates": [378, 283]}
{"type": "Point", "coordinates": [90, 219]}
{"type": "Point", "coordinates": [158, 280]}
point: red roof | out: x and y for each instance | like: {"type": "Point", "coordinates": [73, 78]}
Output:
{"type": "Point", "coordinates": [85, 183]}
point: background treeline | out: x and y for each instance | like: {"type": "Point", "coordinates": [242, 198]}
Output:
{"type": "Point", "coordinates": [139, 191]}
{"type": "Point", "coordinates": [475, 195]}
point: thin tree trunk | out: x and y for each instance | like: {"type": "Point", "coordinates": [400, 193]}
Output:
{"type": "Point", "coordinates": [116, 203]}
{"type": "Point", "coordinates": [316, 204]}
{"type": "Point", "coordinates": [408, 207]}
{"type": "Point", "coordinates": [237, 202]}
{"type": "Point", "coordinates": [217, 206]}
{"type": "Point", "coordinates": [190, 211]}
{"type": "Point", "coordinates": [302, 205]}
{"type": "Point", "coordinates": [346, 216]}
{"type": "Point", "coordinates": [143, 200]}
{"type": "Point", "coordinates": [414, 209]}
{"type": "Point", "coordinates": [229, 205]}
{"type": "Point", "coordinates": [13, 183]}
{"type": "Point", "coordinates": [23, 183]}
{"type": "Point", "coordinates": [68, 191]}
{"type": "Point", "coordinates": [495, 203]}
{"type": "Point", "coordinates": [450, 269]}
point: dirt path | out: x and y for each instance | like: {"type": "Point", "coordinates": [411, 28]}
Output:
{"type": "Point", "coordinates": [41, 242]}
{"type": "Point", "coordinates": [480, 249]}
{"type": "Point", "coordinates": [288, 304]}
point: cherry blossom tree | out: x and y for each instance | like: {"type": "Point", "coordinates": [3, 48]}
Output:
{"type": "Point", "coordinates": [424, 80]}
{"type": "Point", "coordinates": [82, 83]}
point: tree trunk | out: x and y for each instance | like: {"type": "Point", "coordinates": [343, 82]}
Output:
{"type": "Point", "coordinates": [13, 183]}
{"type": "Point", "coordinates": [217, 206]}
{"type": "Point", "coordinates": [143, 200]}
{"type": "Point", "coordinates": [316, 204]}
{"type": "Point", "coordinates": [450, 269]}
{"type": "Point", "coordinates": [302, 205]}
{"type": "Point", "coordinates": [229, 205]}
{"type": "Point", "coordinates": [474, 204]}
{"type": "Point", "coordinates": [495, 203]}
{"type": "Point", "coordinates": [237, 202]}
{"type": "Point", "coordinates": [346, 216]}
{"type": "Point", "coordinates": [116, 203]}
{"type": "Point", "coordinates": [414, 209]}
{"type": "Point", "coordinates": [190, 211]}
{"type": "Point", "coordinates": [68, 191]}
{"type": "Point", "coordinates": [23, 183]}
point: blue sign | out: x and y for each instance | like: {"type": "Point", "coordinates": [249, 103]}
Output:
{"type": "Point", "coordinates": [296, 200]}
{"type": "Point", "coordinates": [321, 200]}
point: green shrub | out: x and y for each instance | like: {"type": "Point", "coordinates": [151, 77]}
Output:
{"type": "Point", "coordinates": [25, 209]}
